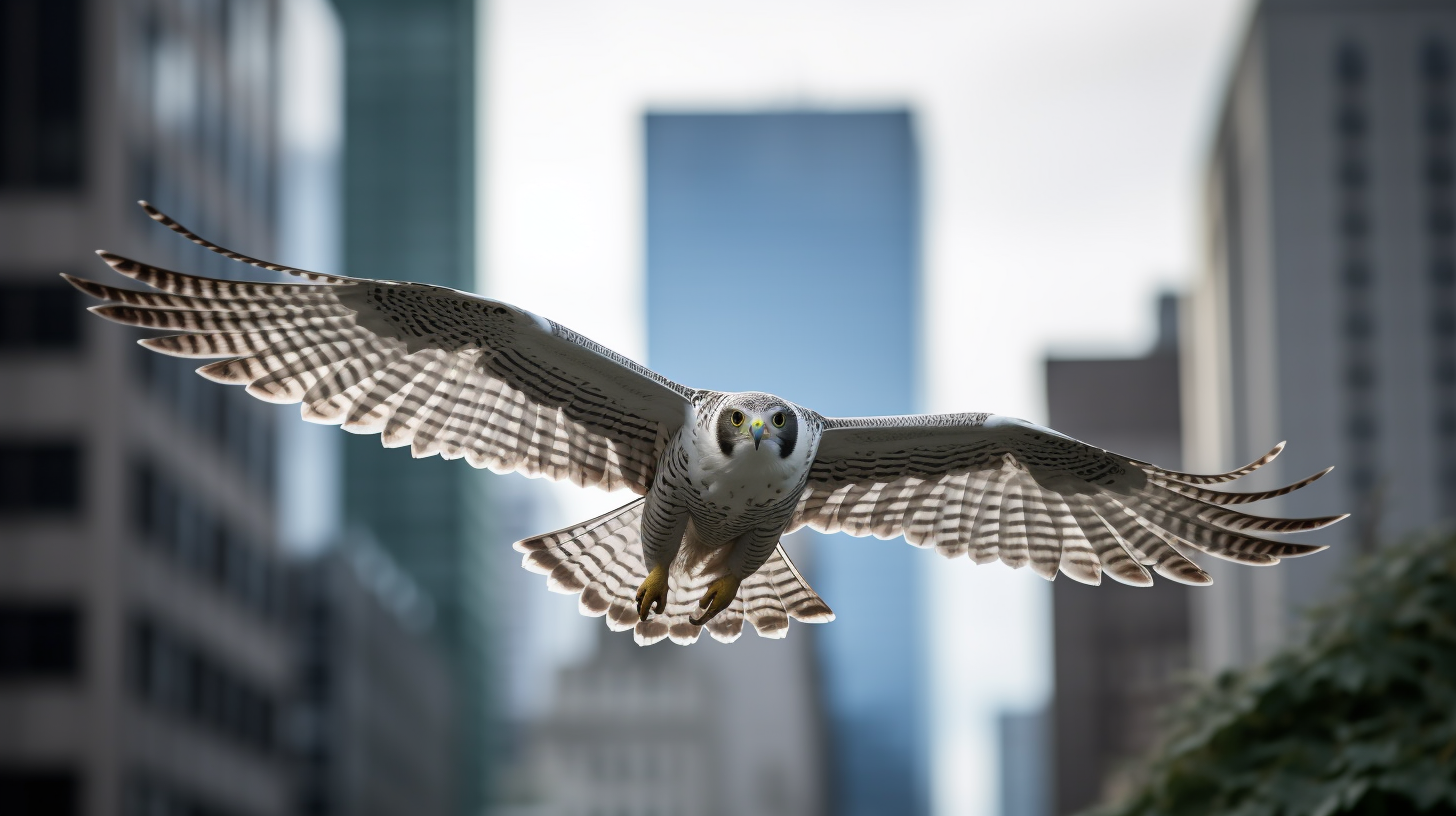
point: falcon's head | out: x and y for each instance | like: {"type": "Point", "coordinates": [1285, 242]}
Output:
{"type": "Point", "coordinates": [757, 422]}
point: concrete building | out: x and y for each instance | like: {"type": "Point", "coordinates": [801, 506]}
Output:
{"type": "Point", "coordinates": [1120, 653]}
{"type": "Point", "coordinates": [749, 217]}
{"type": "Point", "coordinates": [375, 699]}
{"type": "Point", "coordinates": [633, 732]}
{"type": "Point", "coordinates": [1325, 309]}
{"type": "Point", "coordinates": [409, 186]}
{"type": "Point", "coordinates": [143, 652]}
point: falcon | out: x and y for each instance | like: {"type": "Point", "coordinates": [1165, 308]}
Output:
{"type": "Point", "coordinates": [719, 477]}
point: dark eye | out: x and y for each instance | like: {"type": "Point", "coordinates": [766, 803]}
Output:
{"type": "Point", "coordinates": [736, 418]}
{"type": "Point", "coordinates": [778, 420]}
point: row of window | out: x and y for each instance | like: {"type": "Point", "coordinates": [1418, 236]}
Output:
{"type": "Point", "coordinates": [42, 316]}
{"type": "Point", "coordinates": [188, 532]}
{"type": "Point", "coordinates": [206, 86]}
{"type": "Point", "coordinates": [240, 427]}
{"type": "Point", "coordinates": [39, 641]}
{"type": "Point", "coordinates": [1352, 126]}
{"type": "Point", "coordinates": [39, 791]}
{"type": "Point", "coordinates": [40, 478]}
{"type": "Point", "coordinates": [56, 791]}
{"type": "Point", "coordinates": [42, 60]}
{"type": "Point", "coordinates": [179, 678]}
{"type": "Point", "coordinates": [1439, 202]}
{"type": "Point", "coordinates": [149, 796]}
{"type": "Point", "coordinates": [1433, 61]}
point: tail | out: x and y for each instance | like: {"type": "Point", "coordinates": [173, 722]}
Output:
{"type": "Point", "coordinates": [602, 560]}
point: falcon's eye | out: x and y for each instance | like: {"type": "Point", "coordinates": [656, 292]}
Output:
{"type": "Point", "coordinates": [736, 418]}
{"type": "Point", "coordinates": [778, 419]}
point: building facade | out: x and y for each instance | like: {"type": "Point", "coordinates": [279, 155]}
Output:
{"type": "Point", "coordinates": [374, 698]}
{"type": "Point", "coordinates": [798, 231]}
{"type": "Point", "coordinates": [635, 732]}
{"type": "Point", "coordinates": [1325, 309]}
{"type": "Point", "coordinates": [1121, 654]}
{"type": "Point", "coordinates": [409, 182]}
{"type": "Point", "coordinates": [144, 662]}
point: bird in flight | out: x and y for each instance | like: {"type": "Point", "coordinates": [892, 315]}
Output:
{"type": "Point", "coordinates": [719, 477]}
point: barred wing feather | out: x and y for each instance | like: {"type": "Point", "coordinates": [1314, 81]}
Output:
{"type": "Point", "coordinates": [996, 488]}
{"type": "Point", "coordinates": [441, 371]}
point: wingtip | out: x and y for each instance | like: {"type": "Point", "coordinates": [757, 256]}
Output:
{"type": "Point", "coordinates": [85, 286]}
{"type": "Point", "coordinates": [111, 258]}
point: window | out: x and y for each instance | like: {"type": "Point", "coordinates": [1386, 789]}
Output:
{"type": "Point", "coordinates": [176, 677]}
{"type": "Point", "coordinates": [189, 533]}
{"type": "Point", "coordinates": [1358, 325]}
{"type": "Point", "coordinates": [1443, 271]}
{"type": "Point", "coordinates": [39, 316]}
{"type": "Point", "coordinates": [1438, 171]}
{"type": "Point", "coordinates": [1351, 122]}
{"type": "Point", "coordinates": [1438, 120]}
{"type": "Point", "coordinates": [1354, 224]}
{"type": "Point", "coordinates": [1435, 62]}
{"type": "Point", "coordinates": [39, 791]}
{"type": "Point", "coordinates": [39, 477]}
{"type": "Point", "coordinates": [38, 641]}
{"type": "Point", "coordinates": [1352, 174]}
{"type": "Point", "coordinates": [1443, 323]}
{"type": "Point", "coordinates": [41, 69]}
{"type": "Point", "coordinates": [1350, 65]}
{"type": "Point", "coordinates": [1440, 221]}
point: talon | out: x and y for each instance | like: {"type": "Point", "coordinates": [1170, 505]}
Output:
{"type": "Point", "coordinates": [720, 593]}
{"type": "Point", "coordinates": [652, 595]}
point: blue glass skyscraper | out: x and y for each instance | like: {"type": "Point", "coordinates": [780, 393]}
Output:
{"type": "Point", "coordinates": [783, 255]}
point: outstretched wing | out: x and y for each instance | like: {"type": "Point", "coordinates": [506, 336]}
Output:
{"type": "Point", "coordinates": [994, 487]}
{"type": "Point", "coordinates": [439, 370]}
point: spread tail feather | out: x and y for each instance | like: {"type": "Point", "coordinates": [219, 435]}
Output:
{"type": "Point", "coordinates": [602, 560]}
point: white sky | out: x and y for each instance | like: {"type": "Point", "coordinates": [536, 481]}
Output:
{"type": "Point", "coordinates": [1062, 145]}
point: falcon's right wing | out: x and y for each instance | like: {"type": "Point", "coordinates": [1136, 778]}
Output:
{"type": "Point", "coordinates": [994, 487]}
{"type": "Point", "coordinates": [436, 369]}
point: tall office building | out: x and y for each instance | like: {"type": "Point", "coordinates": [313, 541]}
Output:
{"type": "Point", "coordinates": [374, 694]}
{"type": "Point", "coordinates": [143, 652]}
{"type": "Point", "coordinates": [1325, 310]}
{"type": "Point", "coordinates": [409, 186]}
{"type": "Point", "coordinates": [783, 256]}
{"type": "Point", "coordinates": [1120, 652]}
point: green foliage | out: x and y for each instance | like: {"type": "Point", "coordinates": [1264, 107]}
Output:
{"type": "Point", "coordinates": [1361, 719]}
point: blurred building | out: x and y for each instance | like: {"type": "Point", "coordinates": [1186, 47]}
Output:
{"type": "Point", "coordinates": [409, 182]}
{"type": "Point", "coordinates": [1121, 653]}
{"type": "Point", "coordinates": [783, 255]}
{"type": "Point", "coordinates": [1325, 310]}
{"type": "Point", "coordinates": [144, 656]}
{"type": "Point", "coordinates": [374, 711]}
{"type": "Point", "coordinates": [1022, 741]}
{"type": "Point", "coordinates": [633, 732]}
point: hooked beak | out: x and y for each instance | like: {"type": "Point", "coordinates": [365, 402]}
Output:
{"type": "Point", "coordinates": [757, 429]}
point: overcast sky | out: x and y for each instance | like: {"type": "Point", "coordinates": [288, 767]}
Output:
{"type": "Point", "coordinates": [1062, 141]}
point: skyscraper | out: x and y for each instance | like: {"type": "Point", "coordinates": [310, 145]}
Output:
{"type": "Point", "coordinates": [1120, 652]}
{"type": "Point", "coordinates": [409, 214]}
{"type": "Point", "coordinates": [783, 256]}
{"type": "Point", "coordinates": [144, 659]}
{"type": "Point", "coordinates": [1325, 309]}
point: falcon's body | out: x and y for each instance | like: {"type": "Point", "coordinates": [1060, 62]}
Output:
{"type": "Point", "coordinates": [720, 476]}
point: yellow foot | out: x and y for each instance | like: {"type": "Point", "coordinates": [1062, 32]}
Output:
{"type": "Point", "coordinates": [652, 595]}
{"type": "Point", "coordinates": [720, 593]}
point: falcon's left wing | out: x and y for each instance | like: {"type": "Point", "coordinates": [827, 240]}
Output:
{"type": "Point", "coordinates": [995, 487]}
